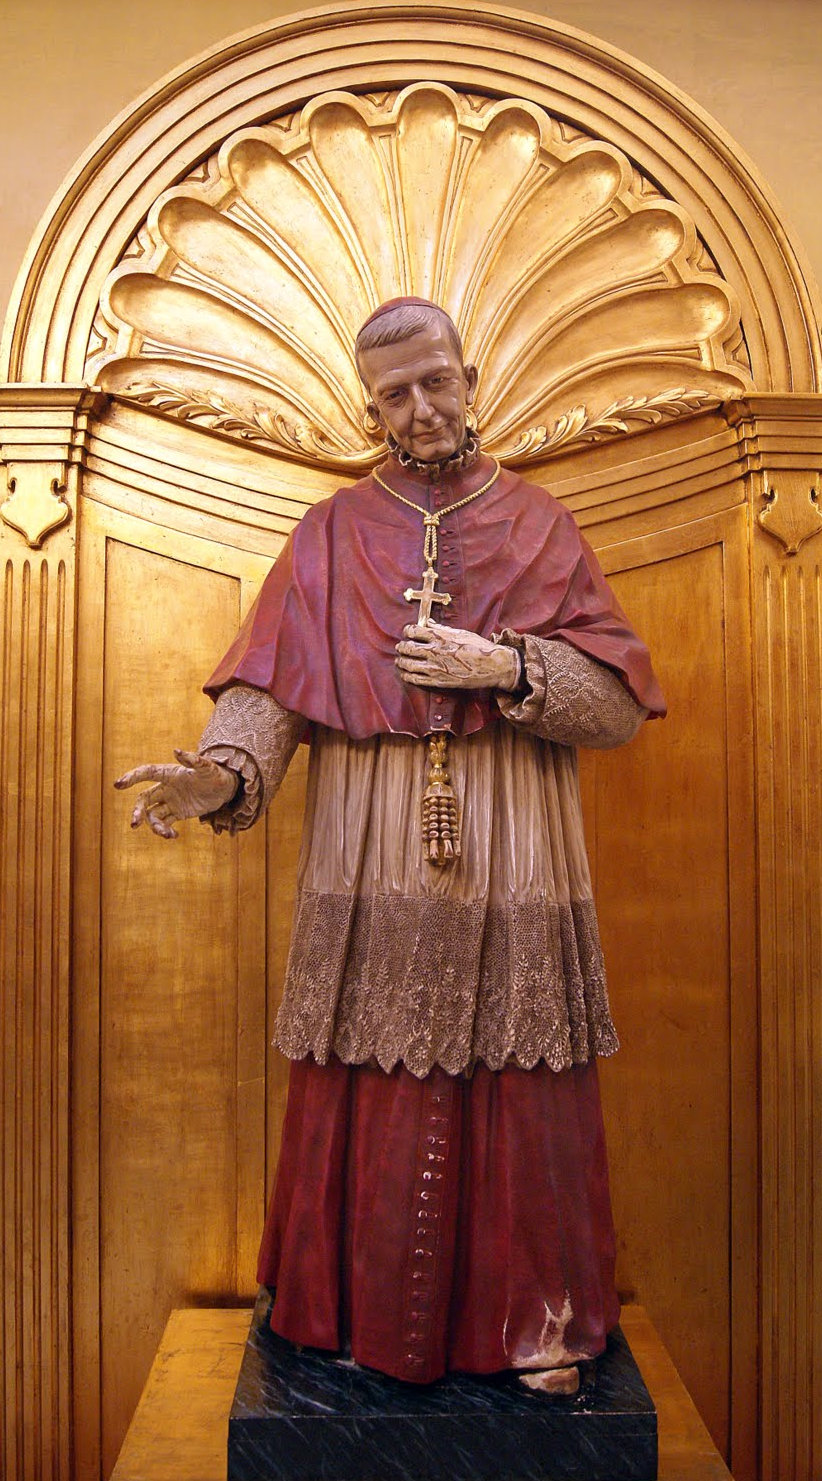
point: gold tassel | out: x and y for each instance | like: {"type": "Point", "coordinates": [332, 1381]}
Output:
{"type": "Point", "coordinates": [440, 829]}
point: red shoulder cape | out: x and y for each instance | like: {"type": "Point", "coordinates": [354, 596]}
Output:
{"type": "Point", "coordinates": [321, 635]}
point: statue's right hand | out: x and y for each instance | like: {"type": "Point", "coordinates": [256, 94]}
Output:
{"type": "Point", "coordinates": [196, 787]}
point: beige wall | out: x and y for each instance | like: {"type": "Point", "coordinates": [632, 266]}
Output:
{"type": "Point", "coordinates": [69, 66]}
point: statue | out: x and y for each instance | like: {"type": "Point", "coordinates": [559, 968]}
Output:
{"type": "Point", "coordinates": [443, 637]}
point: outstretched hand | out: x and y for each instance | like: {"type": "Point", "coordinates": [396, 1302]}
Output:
{"type": "Point", "coordinates": [196, 787]}
{"type": "Point", "coordinates": [440, 657]}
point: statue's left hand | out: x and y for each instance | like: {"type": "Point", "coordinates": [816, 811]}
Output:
{"type": "Point", "coordinates": [440, 657]}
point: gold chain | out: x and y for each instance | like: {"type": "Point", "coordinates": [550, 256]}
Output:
{"type": "Point", "coordinates": [431, 521]}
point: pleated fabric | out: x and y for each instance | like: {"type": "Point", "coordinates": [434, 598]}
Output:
{"type": "Point", "coordinates": [496, 958]}
{"type": "Point", "coordinates": [444, 1223]}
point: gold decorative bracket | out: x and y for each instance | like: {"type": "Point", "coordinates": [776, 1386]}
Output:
{"type": "Point", "coordinates": [43, 440]}
{"type": "Point", "coordinates": [791, 512]}
{"type": "Point", "coordinates": [35, 505]}
{"type": "Point", "coordinates": [780, 452]}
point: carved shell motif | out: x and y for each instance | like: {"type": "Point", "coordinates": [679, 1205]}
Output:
{"type": "Point", "coordinates": [583, 296]}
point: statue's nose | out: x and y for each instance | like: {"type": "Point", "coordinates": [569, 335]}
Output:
{"type": "Point", "coordinates": [422, 406]}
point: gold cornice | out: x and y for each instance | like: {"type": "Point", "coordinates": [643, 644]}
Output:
{"type": "Point", "coordinates": [785, 406]}
{"type": "Point", "coordinates": [777, 430]}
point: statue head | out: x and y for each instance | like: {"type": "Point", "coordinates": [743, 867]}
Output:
{"type": "Point", "coordinates": [409, 357]}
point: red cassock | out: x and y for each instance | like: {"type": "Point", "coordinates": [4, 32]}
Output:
{"type": "Point", "coordinates": [434, 1221]}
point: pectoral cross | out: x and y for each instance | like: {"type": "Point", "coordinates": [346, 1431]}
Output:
{"type": "Point", "coordinates": [427, 596]}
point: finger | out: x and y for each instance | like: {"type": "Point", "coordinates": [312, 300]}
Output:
{"type": "Point", "coordinates": [439, 630]}
{"type": "Point", "coordinates": [139, 814]}
{"type": "Point", "coordinates": [153, 797]}
{"type": "Point", "coordinates": [163, 830]}
{"type": "Point", "coordinates": [413, 650]}
{"type": "Point", "coordinates": [424, 681]}
{"type": "Point", "coordinates": [422, 634]}
{"type": "Point", "coordinates": [161, 810]}
{"type": "Point", "coordinates": [419, 676]}
{"type": "Point", "coordinates": [141, 774]}
{"type": "Point", "coordinates": [189, 758]}
{"type": "Point", "coordinates": [418, 666]}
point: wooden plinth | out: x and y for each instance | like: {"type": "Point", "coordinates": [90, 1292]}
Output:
{"type": "Point", "coordinates": [179, 1430]}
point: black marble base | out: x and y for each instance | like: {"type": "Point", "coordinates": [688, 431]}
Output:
{"type": "Point", "coordinates": [299, 1414]}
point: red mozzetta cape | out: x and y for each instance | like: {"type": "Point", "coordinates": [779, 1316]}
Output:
{"type": "Point", "coordinates": [321, 636]}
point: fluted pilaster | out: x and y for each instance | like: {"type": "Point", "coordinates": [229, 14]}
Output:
{"type": "Point", "coordinates": [42, 438]}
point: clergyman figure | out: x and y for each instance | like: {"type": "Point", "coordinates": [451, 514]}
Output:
{"type": "Point", "coordinates": [443, 638]}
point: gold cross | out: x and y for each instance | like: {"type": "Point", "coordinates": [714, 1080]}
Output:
{"type": "Point", "coordinates": [427, 596]}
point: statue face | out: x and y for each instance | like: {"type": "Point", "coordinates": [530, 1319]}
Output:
{"type": "Point", "coordinates": [420, 392]}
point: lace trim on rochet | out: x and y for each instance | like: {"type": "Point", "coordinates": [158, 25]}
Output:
{"type": "Point", "coordinates": [427, 981]}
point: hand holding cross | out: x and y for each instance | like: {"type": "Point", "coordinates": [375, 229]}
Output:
{"type": "Point", "coordinates": [438, 657]}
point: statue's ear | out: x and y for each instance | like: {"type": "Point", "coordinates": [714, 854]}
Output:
{"type": "Point", "coordinates": [372, 417]}
{"type": "Point", "coordinates": [471, 377]}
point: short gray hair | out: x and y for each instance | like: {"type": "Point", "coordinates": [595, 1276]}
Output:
{"type": "Point", "coordinates": [402, 323]}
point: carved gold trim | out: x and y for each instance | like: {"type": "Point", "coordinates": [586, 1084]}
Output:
{"type": "Point", "coordinates": [274, 433]}
{"type": "Point", "coordinates": [630, 414]}
{"type": "Point", "coordinates": [368, 47]}
{"type": "Point", "coordinates": [568, 274]}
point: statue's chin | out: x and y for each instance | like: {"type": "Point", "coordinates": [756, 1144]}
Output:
{"type": "Point", "coordinates": [434, 453]}
{"type": "Point", "coordinates": [434, 450]}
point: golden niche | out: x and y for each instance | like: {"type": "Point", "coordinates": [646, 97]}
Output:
{"type": "Point", "coordinates": [583, 295]}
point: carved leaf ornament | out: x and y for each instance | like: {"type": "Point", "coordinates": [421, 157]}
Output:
{"type": "Point", "coordinates": [583, 296]}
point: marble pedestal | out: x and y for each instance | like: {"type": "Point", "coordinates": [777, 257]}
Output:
{"type": "Point", "coordinates": [303, 1414]}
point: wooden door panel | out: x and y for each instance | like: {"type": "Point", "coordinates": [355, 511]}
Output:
{"type": "Point", "coordinates": [170, 992]}
{"type": "Point", "coordinates": [168, 1088]}
{"type": "Point", "coordinates": [664, 817]}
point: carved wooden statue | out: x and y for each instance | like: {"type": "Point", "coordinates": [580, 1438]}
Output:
{"type": "Point", "coordinates": [442, 1199]}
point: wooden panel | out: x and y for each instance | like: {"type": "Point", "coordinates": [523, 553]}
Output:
{"type": "Point", "coordinates": [671, 840]}
{"type": "Point", "coordinates": [170, 1006]}
{"type": "Point", "coordinates": [169, 988]}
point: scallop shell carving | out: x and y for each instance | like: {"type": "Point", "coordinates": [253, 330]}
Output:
{"type": "Point", "coordinates": [583, 296]}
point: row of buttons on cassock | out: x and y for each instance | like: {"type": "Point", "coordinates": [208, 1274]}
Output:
{"type": "Point", "coordinates": [423, 1274]}
{"type": "Point", "coordinates": [446, 548]}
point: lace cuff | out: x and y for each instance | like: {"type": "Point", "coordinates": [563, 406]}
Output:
{"type": "Point", "coordinates": [571, 698]}
{"type": "Point", "coordinates": [253, 735]}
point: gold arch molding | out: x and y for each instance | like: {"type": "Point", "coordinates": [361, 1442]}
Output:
{"type": "Point", "coordinates": [584, 296]}
{"type": "Point", "coordinates": [475, 49]}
